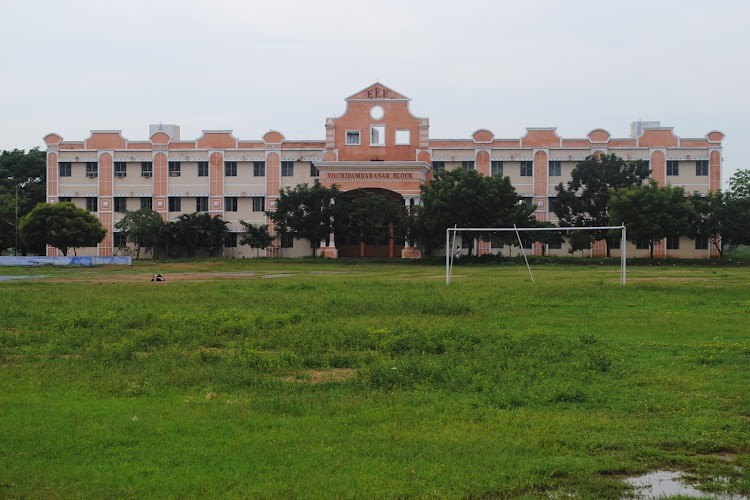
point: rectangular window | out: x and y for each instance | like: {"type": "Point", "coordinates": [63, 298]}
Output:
{"type": "Point", "coordinates": [614, 243]}
{"type": "Point", "coordinates": [121, 169]}
{"type": "Point", "coordinates": [120, 240]}
{"type": "Point", "coordinates": [92, 169]}
{"type": "Point", "coordinates": [701, 243]}
{"type": "Point", "coordinates": [352, 137]}
{"type": "Point", "coordinates": [230, 203]}
{"type": "Point", "coordinates": [64, 168]}
{"type": "Point", "coordinates": [555, 245]}
{"type": "Point", "coordinates": [496, 168]}
{"type": "Point", "coordinates": [701, 168]}
{"type": "Point", "coordinates": [673, 167]}
{"type": "Point", "coordinates": [673, 243]}
{"type": "Point", "coordinates": [65, 199]}
{"type": "Point", "coordinates": [528, 241]}
{"type": "Point", "coordinates": [230, 169]}
{"type": "Point", "coordinates": [527, 169]}
{"type": "Point", "coordinates": [202, 169]}
{"type": "Point", "coordinates": [175, 168]}
{"type": "Point", "coordinates": [287, 168]}
{"type": "Point", "coordinates": [201, 204]}
{"type": "Point", "coordinates": [147, 169]}
{"type": "Point", "coordinates": [175, 204]}
{"type": "Point", "coordinates": [121, 204]}
{"type": "Point", "coordinates": [147, 202]}
{"type": "Point", "coordinates": [230, 240]}
{"type": "Point", "coordinates": [467, 165]}
{"type": "Point", "coordinates": [527, 200]}
{"type": "Point", "coordinates": [438, 166]}
{"type": "Point", "coordinates": [92, 204]}
{"type": "Point", "coordinates": [555, 168]}
{"type": "Point", "coordinates": [403, 137]}
{"type": "Point", "coordinates": [287, 240]}
{"type": "Point", "coordinates": [551, 203]}
{"type": "Point", "coordinates": [259, 169]}
{"type": "Point", "coordinates": [641, 245]}
{"type": "Point", "coordinates": [314, 172]}
{"type": "Point", "coordinates": [377, 135]}
{"type": "Point", "coordinates": [259, 204]}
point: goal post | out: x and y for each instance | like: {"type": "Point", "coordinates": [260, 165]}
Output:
{"type": "Point", "coordinates": [450, 246]}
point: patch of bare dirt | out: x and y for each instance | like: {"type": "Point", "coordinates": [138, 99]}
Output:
{"type": "Point", "coordinates": [726, 456]}
{"type": "Point", "coordinates": [323, 376]}
{"type": "Point", "coordinates": [169, 277]}
{"type": "Point", "coordinates": [684, 279]}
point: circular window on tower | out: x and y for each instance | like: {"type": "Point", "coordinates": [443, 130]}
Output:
{"type": "Point", "coordinates": [377, 112]}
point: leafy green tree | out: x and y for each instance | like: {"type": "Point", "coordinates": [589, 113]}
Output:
{"type": "Point", "coordinates": [584, 201]}
{"type": "Point", "coordinates": [547, 237]}
{"type": "Point", "coordinates": [256, 236]}
{"type": "Point", "coordinates": [23, 173]}
{"type": "Point", "coordinates": [739, 184]}
{"type": "Point", "coordinates": [372, 216]}
{"type": "Point", "coordinates": [61, 225]}
{"type": "Point", "coordinates": [650, 212]}
{"type": "Point", "coordinates": [191, 232]}
{"type": "Point", "coordinates": [466, 199]}
{"type": "Point", "coordinates": [306, 212]}
{"type": "Point", "coordinates": [711, 213]}
{"type": "Point", "coordinates": [142, 227]}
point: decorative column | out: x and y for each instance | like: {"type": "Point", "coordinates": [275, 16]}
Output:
{"type": "Point", "coordinates": [53, 142]}
{"type": "Point", "coordinates": [540, 191]}
{"type": "Point", "coordinates": [714, 172]}
{"type": "Point", "coordinates": [216, 183]}
{"type": "Point", "coordinates": [410, 252]}
{"type": "Point", "coordinates": [329, 251]}
{"type": "Point", "coordinates": [105, 208]}
{"type": "Point", "coordinates": [658, 166]}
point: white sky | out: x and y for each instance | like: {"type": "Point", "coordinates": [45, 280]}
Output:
{"type": "Point", "coordinates": [75, 65]}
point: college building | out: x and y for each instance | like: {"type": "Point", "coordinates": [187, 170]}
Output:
{"type": "Point", "coordinates": [376, 144]}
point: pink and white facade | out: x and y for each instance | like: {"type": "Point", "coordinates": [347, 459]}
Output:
{"type": "Point", "coordinates": [376, 144]}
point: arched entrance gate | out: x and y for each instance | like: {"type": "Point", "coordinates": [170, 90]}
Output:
{"type": "Point", "coordinates": [373, 224]}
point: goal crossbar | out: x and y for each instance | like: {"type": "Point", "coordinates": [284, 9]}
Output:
{"type": "Point", "coordinates": [449, 247]}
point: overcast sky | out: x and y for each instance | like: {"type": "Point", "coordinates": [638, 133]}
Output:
{"type": "Point", "coordinates": [75, 65]}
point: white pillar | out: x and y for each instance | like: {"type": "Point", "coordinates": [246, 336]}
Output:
{"type": "Point", "coordinates": [407, 204]}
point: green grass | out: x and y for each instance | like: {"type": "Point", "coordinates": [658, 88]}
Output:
{"type": "Point", "coordinates": [489, 387]}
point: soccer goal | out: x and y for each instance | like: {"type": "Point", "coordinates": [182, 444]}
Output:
{"type": "Point", "coordinates": [450, 244]}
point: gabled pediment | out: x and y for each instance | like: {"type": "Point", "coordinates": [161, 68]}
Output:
{"type": "Point", "coordinates": [377, 91]}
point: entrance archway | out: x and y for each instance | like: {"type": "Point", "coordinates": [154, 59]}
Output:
{"type": "Point", "coordinates": [374, 225]}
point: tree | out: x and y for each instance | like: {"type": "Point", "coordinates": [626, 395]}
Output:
{"type": "Point", "coordinates": [61, 225]}
{"type": "Point", "coordinates": [306, 212]}
{"type": "Point", "coordinates": [650, 212]}
{"type": "Point", "coordinates": [466, 199]}
{"type": "Point", "coordinates": [23, 173]}
{"type": "Point", "coordinates": [737, 221]}
{"type": "Point", "coordinates": [710, 216]}
{"type": "Point", "coordinates": [256, 236]}
{"type": "Point", "coordinates": [142, 227]}
{"type": "Point", "coordinates": [372, 216]}
{"type": "Point", "coordinates": [739, 184]}
{"type": "Point", "coordinates": [193, 231]}
{"type": "Point", "coordinates": [585, 200]}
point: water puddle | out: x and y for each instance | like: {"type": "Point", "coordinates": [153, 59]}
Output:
{"type": "Point", "coordinates": [20, 277]}
{"type": "Point", "coordinates": [667, 483]}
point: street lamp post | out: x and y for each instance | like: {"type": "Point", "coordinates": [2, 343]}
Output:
{"type": "Point", "coordinates": [15, 249]}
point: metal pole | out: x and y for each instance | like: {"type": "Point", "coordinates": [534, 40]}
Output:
{"type": "Point", "coordinates": [624, 246]}
{"type": "Point", "coordinates": [452, 245]}
{"type": "Point", "coordinates": [447, 242]}
{"type": "Point", "coordinates": [15, 250]}
{"type": "Point", "coordinates": [520, 243]}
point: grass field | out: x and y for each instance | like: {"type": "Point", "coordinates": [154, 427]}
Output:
{"type": "Point", "coordinates": [301, 379]}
